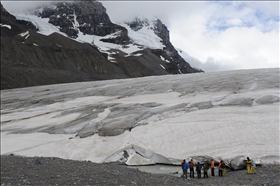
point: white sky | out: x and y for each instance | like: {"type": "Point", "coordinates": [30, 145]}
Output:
{"type": "Point", "coordinates": [220, 35]}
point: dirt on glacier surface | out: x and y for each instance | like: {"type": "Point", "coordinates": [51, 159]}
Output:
{"type": "Point", "coordinates": [17, 170]}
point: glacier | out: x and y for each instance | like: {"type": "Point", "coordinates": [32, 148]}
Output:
{"type": "Point", "coordinates": [149, 120]}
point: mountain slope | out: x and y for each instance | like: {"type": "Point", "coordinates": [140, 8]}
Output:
{"type": "Point", "coordinates": [90, 18]}
{"type": "Point", "coordinates": [76, 41]}
{"type": "Point", "coordinates": [29, 58]}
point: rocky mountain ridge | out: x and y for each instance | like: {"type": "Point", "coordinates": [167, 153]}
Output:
{"type": "Point", "coordinates": [88, 17]}
{"type": "Point", "coordinates": [162, 31]}
{"type": "Point", "coordinates": [30, 58]}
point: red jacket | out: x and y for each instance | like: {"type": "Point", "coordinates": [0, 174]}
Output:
{"type": "Point", "coordinates": [183, 162]}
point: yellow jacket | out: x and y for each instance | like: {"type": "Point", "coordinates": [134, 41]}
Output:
{"type": "Point", "coordinates": [248, 163]}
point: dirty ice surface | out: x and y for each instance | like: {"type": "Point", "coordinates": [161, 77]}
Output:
{"type": "Point", "coordinates": [158, 119]}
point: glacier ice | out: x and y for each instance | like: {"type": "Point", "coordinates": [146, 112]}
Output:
{"type": "Point", "coordinates": [222, 115]}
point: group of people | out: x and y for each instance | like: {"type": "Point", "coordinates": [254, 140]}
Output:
{"type": "Point", "coordinates": [205, 167]}
{"type": "Point", "coordinates": [251, 166]}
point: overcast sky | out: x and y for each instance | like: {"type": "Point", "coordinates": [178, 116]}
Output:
{"type": "Point", "coordinates": [220, 35]}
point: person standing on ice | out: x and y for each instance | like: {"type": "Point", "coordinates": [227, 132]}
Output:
{"type": "Point", "coordinates": [182, 165]}
{"type": "Point", "coordinates": [212, 167]}
{"type": "Point", "coordinates": [220, 168]}
{"type": "Point", "coordinates": [198, 169]}
{"type": "Point", "coordinates": [192, 164]}
{"type": "Point", "coordinates": [224, 168]}
{"type": "Point", "coordinates": [205, 169]}
{"type": "Point", "coordinates": [186, 166]}
{"type": "Point", "coordinates": [253, 167]}
{"type": "Point", "coordinates": [248, 164]}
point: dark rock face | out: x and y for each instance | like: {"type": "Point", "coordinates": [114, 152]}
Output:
{"type": "Point", "coordinates": [183, 66]}
{"type": "Point", "coordinates": [162, 31]}
{"type": "Point", "coordinates": [143, 65]}
{"type": "Point", "coordinates": [88, 17]}
{"type": "Point", "coordinates": [41, 60]}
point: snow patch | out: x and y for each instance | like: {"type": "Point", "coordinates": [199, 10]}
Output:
{"type": "Point", "coordinates": [162, 66]}
{"type": "Point", "coordinates": [41, 24]}
{"type": "Point", "coordinates": [163, 59]}
{"type": "Point", "coordinates": [145, 37]}
{"type": "Point", "coordinates": [137, 54]}
{"type": "Point", "coordinates": [112, 59]}
{"type": "Point", "coordinates": [24, 34]}
{"type": "Point", "coordinates": [7, 26]}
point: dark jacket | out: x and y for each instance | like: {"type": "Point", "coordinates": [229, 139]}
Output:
{"type": "Point", "coordinates": [205, 166]}
{"type": "Point", "coordinates": [198, 167]}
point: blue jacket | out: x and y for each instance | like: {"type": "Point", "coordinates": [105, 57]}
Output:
{"type": "Point", "coordinates": [253, 164]}
{"type": "Point", "coordinates": [186, 166]}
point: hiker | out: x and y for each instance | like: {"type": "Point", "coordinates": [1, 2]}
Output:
{"type": "Point", "coordinates": [186, 166]}
{"type": "Point", "coordinates": [223, 168]}
{"type": "Point", "coordinates": [198, 169]}
{"type": "Point", "coordinates": [182, 165]}
{"type": "Point", "coordinates": [212, 167]}
{"type": "Point", "coordinates": [192, 164]}
{"type": "Point", "coordinates": [248, 164]}
{"type": "Point", "coordinates": [205, 169]}
{"type": "Point", "coordinates": [220, 168]}
{"type": "Point", "coordinates": [253, 167]}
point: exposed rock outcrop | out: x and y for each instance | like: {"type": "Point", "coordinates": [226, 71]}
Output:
{"type": "Point", "coordinates": [177, 64]}
{"type": "Point", "coordinates": [88, 17]}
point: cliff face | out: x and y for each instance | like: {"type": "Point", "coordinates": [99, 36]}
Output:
{"type": "Point", "coordinates": [88, 17]}
{"type": "Point", "coordinates": [184, 67]}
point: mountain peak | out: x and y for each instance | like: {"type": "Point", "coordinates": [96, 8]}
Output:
{"type": "Point", "coordinates": [88, 17]}
{"type": "Point", "coordinates": [139, 23]}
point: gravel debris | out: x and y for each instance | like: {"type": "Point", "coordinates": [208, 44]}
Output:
{"type": "Point", "coordinates": [17, 170]}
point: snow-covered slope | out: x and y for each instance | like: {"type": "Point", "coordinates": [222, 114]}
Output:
{"type": "Point", "coordinates": [41, 24]}
{"type": "Point", "coordinates": [164, 118]}
{"type": "Point", "coordinates": [143, 38]}
{"type": "Point", "coordinates": [195, 63]}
